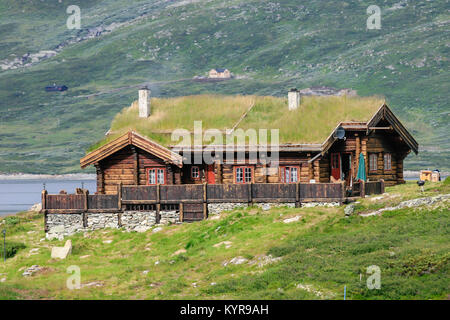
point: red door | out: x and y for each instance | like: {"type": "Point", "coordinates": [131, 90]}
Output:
{"type": "Point", "coordinates": [336, 166]}
{"type": "Point", "coordinates": [210, 176]}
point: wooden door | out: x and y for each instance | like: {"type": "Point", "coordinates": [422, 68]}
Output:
{"type": "Point", "coordinates": [210, 176]}
{"type": "Point", "coordinates": [336, 166]}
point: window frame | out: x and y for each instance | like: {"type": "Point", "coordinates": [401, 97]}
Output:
{"type": "Point", "coordinates": [387, 156]}
{"type": "Point", "coordinates": [156, 169]}
{"type": "Point", "coordinates": [198, 173]}
{"type": "Point", "coordinates": [282, 174]}
{"type": "Point", "coordinates": [373, 156]}
{"type": "Point", "coordinates": [235, 170]}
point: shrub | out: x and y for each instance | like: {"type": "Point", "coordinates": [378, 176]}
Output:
{"type": "Point", "coordinates": [11, 221]}
{"type": "Point", "coordinates": [447, 181]}
{"type": "Point", "coordinates": [12, 248]}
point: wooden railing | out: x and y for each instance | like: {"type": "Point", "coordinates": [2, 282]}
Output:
{"type": "Point", "coordinates": [195, 197]}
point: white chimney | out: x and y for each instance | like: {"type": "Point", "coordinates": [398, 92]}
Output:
{"type": "Point", "coordinates": [144, 102]}
{"type": "Point", "coordinates": [293, 99]}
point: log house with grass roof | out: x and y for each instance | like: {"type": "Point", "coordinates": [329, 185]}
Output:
{"type": "Point", "coordinates": [150, 158]}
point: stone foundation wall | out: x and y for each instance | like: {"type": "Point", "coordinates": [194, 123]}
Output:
{"type": "Point", "coordinates": [138, 221]}
{"type": "Point", "coordinates": [102, 220]}
{"type": "Point", "coordinates": [169, 217]}
{"type": "Point", "coordinates": [60, 225]}
{"type": "Point", "coordinates": [216, 208]}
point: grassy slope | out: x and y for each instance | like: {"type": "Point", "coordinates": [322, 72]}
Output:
{"type": "Point", "coordinates": [311, 123]}
{"type": "Point", "coordinates": [323, 251]}
{"type": "Point", "coordinates": [274, 46]}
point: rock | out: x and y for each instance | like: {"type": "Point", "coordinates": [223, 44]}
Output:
{"type": "Point", "coordinates": [31, 270]}
{"type": "Point", "coordinates": [178, 252]}
{"type": "Point", "coordinates": [92, 284]}
{"type": "Point", "coordinates": [227, 244]}
{"type": "Point", "coordinates": [213, 283]}
{"type": "Point", "coordinates": [145, 272]}
{"type": "Point", "coordinates": [290, 220]}
{"type": "Point", "coordinates": [157, 229]}
{"type": "Point", "coordinates": [62, 252]}
{"type": "Point", "coordinates": [236, 261]}
{"type": "Point", "coordinates": [194, 284]}
{"type": "Point", "coordinates": [107, 241]}
{"type": "Point", "coordinates": [348, 210]}
{"type": "Point", "coordinates": [428, 201]}
{"type": "Point", "coordinates": [36, 207]}
{"type": "Point", "coordinates": [263, 260]}
{"type": "Point", "coordinates": [156, 263]}
{"type": "Point", "coordinates": [34, 251]}
{"type": "Point", "coordinates": [84, 257]}
{"type": "Point", "coordinates": [141, 228]}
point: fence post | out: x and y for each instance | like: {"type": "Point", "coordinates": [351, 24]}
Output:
{"type": "Point", "coordinates": [382, 185]}
{"type": "Point", "coordinates": [158, 204]}
{"type": "Point", "coordinates": [119, 196]}
{"type": "Point", "coordinates": [297, 194]}
{"type": "Point", "coordinates": [205, 205]}
{"type": "Point", "coordinates": [44, 200]}
{"type": "Point", "coordinates": [250, 199]}
{"type": "Point", "coordinates": [44, 208]}
{"type": "Point", "coordinates": [362, 193]}
{"type": "Point", "coordinates": [181, 212]}
{"type": "Point", "coordinates": [342, 192]}
{"type": "Point", "coordinates": [86, 207]}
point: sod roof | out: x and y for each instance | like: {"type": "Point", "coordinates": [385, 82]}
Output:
{"type": "Point", "coordinates": [311, 123]}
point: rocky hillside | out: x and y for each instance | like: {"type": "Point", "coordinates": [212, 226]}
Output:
{"type": "Point", "coordinates": [269, 46]}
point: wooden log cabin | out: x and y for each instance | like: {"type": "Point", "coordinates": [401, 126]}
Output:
{"type": "Point", "coordinates": [132, 159]}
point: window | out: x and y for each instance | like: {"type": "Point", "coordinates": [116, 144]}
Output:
{"type": "Point", "coordinates": [243, 174]}
{"type": "Point", "coordinates": [289, 174]}
{"type": "Point", "coordinates": [156, 175]}
{"type": "Point", "coordinates": [387, 161]}
{"type": "Point", "coordinates": [195, 172]}
{"type": "Point", "coordinates": [373, 162]}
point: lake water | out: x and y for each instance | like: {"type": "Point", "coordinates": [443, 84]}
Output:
{"type": "Point", "coordinates": [20, 195]}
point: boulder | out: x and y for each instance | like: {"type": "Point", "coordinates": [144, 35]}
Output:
{"type": "Point", "coordinates": [290, 220]}
{"type": "Point", "coordinates": [348, 210]}
{"type": "Point", "coordinates": [62, 252]}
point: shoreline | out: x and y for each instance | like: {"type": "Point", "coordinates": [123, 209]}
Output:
{"type": "Point", "coordinates": [30, 176]}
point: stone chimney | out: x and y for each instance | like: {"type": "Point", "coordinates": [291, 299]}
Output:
{"type": "Point", "coordinates": [293, 99]}
{"type": "Point", "coordinates": [144, 103]}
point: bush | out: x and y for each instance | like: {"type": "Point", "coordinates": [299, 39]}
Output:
{"type": "Point", "coordinates": [447, 181]}
{"type": "Point", "coordinates": [12, 248]}
{"type": "Point", "coordinates": [11, 221]}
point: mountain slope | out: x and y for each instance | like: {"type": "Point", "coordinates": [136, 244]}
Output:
{"type": "Point", "coordinates": [269, 46]}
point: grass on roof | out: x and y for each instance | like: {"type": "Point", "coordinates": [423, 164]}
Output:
{"type": "Point", "coordinates": [312, 122]}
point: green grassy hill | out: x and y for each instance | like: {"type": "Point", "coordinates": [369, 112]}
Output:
{"type": "Point", "coordinates": [269, 46]}
{"type": "Point", "coordinates": [312, 258]}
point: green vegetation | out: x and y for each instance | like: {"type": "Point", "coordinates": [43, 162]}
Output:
{"type": "Point", "coordinates": [311, 123]}
{"type": "Point", "coordinates": [320, 254]}
{"type": "Point", "coordinates": [11, 249]}
{"type": "Point", "coordinates": [269, 46]}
